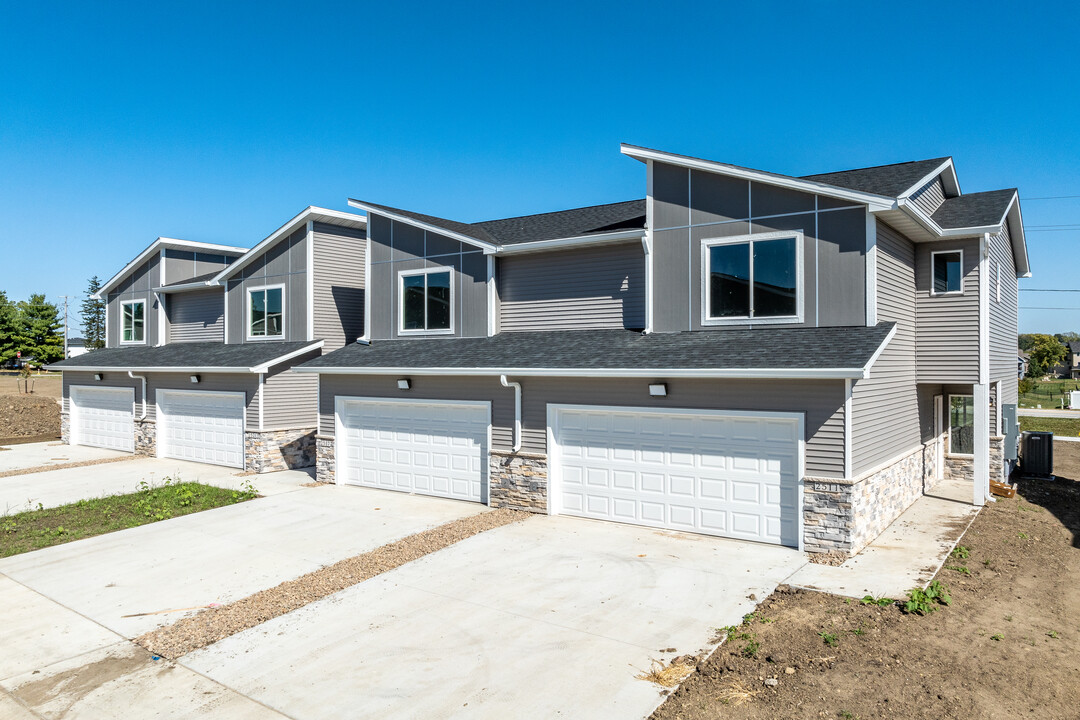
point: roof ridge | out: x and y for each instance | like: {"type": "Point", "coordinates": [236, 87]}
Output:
{"type": "Point", "coordinates": [875, 167]}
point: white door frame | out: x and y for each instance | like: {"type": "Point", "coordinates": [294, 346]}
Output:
{"type": "Point", "coordinates": [339, 431]}
{"type": "Point", "coordinates": [162, 422]}
{"type": "Point", "coordinates": [939, 436]}
{"type": "Point", "coordinates": [73, 414]}
{"type": "Point", "coordinates": [555, 481]}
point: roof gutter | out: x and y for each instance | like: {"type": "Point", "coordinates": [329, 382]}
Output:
{"type": "Point", "coordinates": [635, 372]}
{"type": "Point", "coordinates": [567, 242]}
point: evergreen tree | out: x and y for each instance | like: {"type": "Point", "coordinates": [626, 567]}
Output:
{"type": "Point", "coordinates": [9, 329]}
{"type": "Point", "coordinates": [40, 332]}
{"type": "Point", "coordinates": [93, 317]}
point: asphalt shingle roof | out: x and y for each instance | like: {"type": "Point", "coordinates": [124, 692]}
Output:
{"type": "Point", "coordinates": [888, 180]}
{"type": "Point", "coordinates": [734, 348]}
{"type": "Point", "coordinates": [185, 355]}
{"type": "Point", "coordinates": [974, 209]}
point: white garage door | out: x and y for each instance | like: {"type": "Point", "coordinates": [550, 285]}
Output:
{"type": "Point", "coordinates": [103, 417]}
{"type": "Point", "coordinates": [428, 447]}
{"type": "Point", "coordinates": [201, 426]}
{"type": "Point", "coordinates": [734, 475]}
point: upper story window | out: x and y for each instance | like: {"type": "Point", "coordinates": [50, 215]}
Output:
{"type": "Point", "coordinates": [752, 278]}
{"type": "Point", "coordinates": [266, 312]}
{"type": "Point", "coordinates": [426, 301]}
{"type": "Point", "coordinates": [132, 321]}
{"type": "Point", "coordinates": [947, 272]}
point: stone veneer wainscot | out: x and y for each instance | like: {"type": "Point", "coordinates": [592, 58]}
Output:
{"type": "Point", "coordinates": [518, 480]}
{"type": "Point", "coordinates": [275, 450]}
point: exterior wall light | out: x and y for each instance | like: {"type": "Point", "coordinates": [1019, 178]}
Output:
{"type": "Point", "coordinates": [658, 389]}
{"type": "Point", "coordinates": [404, 384]}
{"type": "Point", "coordinates": [97, 376]}
{"type": "Point", "coordinates": [194, 378]}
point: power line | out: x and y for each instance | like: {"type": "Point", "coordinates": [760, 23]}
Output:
{"type": "Point", "coordinates": [1046, 290]}
{"type": "Point", "coordinates": [1052, 197]}
{"type": "Point", "coordinates": [1059, 225]}
{"type": "Point", "coordinates": [1027, 307]}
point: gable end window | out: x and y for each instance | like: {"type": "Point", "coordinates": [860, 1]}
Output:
{"type": "Point", "coordinates": [947, 272]}
{"type": "Point", "coordinates": [426, 301]}
{"type": "Point", "coordinates": [266, 312]}
{"type": "Point", "coordinates": [132, 321]}
{"type": "Point", "coordinates": [752, 278]}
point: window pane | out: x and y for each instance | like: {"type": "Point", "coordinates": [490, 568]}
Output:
{"type": "Point", "coordinates": [137, 322]}
{"type": "Point", "coordinates": [962, 425]}
{"type": "Point", "coordinates": [273, 312]}
{"type": "Point", "coordinates": [126, 323]}
{"type": "Point", "coordinates": [947, 273]}
{"type": "Point", "coordinates": [412, 302]}
{"type": "Point", "coordinates": [774, 277]}
{"type": "Point", "coordinates": [258, 313]}
{"type": "Point", "coordinates": [729, 281]}
{"type": "Point", "coordinates": [438, 301]}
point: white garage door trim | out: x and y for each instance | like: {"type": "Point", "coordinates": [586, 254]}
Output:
{"type": "Point", "coordinates": [163, 448]}
{"type": "Point", "coordinates": [340, 464]}
{"type": "Point", "coordinates": [554, 451]}
{"type": "Point", "coordinates": [76, 419]}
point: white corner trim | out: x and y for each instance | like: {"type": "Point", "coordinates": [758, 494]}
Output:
{"type": "Point", "coordinates": [981, 485]}
{"type": "Point", "coordinates": [490, 295]}
{"type": "Point", "coordinates": [310, 280]}
{"type": "Point", "coordinates": [984, 309]}
{"type": "Point", "coordinates": [800, 281]}
{"type": "Point", "coordinates": [262, 391]}
{"type": "Point", "coordinates": [847, 429]}
{"type": "Point", "coordinates": [650, 209]}
{"type": "Point", "coordinates": [871, 269]}
{"type": "Point", "coordinates": [367, 285]}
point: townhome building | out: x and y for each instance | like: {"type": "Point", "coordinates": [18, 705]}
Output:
{"type": "Point", "coordinates": [790, 360]}
{"type": "Point", "coordinates": [201, 342]}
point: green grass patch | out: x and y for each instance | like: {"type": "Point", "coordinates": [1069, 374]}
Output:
{"type": "Point", "coordinates": [44, 527]}
{"type": "Point", "coordinates": [1049, 393]}
{"type": "Point", "coordinates": [1058, 426]}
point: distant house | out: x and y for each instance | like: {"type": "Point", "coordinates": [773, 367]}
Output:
{"type": "Point", "coordinates": [1022, 359]}
{"type": "Point", "coordinates": [1072, 360]}
{"type": "Point", "coordinates": [76, 347]}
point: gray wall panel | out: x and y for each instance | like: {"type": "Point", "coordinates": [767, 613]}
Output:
{"type": "Point", "coordinates": [601, 287]}
{"type": "Point", "coordinates": [772, 200]}
{"type": "Point", "coordinates": [718, 198]}
{"type": "Point", "coordinates": [947, 327]}
{"type": "Point", "coordinates": [1003, 315]}
{"type": "Point", "coordinates": [671, 195]}
{"type": "Point", "coordinates": [842, 268]}
{"type": "Point", "coordinates": [273, 267]}
{"type": "Point", "coordinates": [136, 287]}
{"type": "Point", "coordinates": [671, 285]}
{"type": "Point", "coordinates": [196, 316]}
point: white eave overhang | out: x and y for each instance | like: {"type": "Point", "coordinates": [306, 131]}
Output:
{"type": "Point", "coordinates": [261, 368]}
{"type": "Point", "coordinates": [735, 373]}
{"type": "Point", "coordinates": [874, 202]}
{"type": "Point", "coordinates": [168, 243]}
{"type": "Point", "coordinates": [570, 242]}
{"type": "Point", "coordinates": [184, 287]}
{"type": "Point", "coordinates": [487, 247]}
{"type": "Point", "coordinates": [947, 171]}
{"type": "Point", "coordinates": [311, 212]}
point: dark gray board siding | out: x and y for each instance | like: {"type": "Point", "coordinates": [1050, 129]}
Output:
{"type": "Point", "coordinates": [822, 401]}
{"type": "Point", "coordinates": [283, 263]}
{"type": "Point", "coordinates": [929, 197]}
{"type": "Point", "coordinates": [885, 406]}
{"type": "Point", "coordinates": [182, 265]}
{"type": "Point", "coordinates": [339, 260]}
{"type": "Point", "coordinates": [587, 289]}
{"type": "Point", "coordinates": [136, 286]}
{"type": "Point", "coordinates": [397, 246]}
{"type": "Point", "coordinates": [692, 206]}
{"type": "Point", "coordinates": [1003, 316]}
{"type": "Point", "coordinates": [247, 383]}
{"type": "Point", "coordinates": [947, 327]}
{"type": "Point", "coordinates": [196, 316]}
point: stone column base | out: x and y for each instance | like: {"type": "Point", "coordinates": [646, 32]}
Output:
{"type": "Point", "coordinates": [518, 481]}
{"type": "Point", "coordinates": [145, 438]}
{"type": "Point", "coordinates": [275, 450]}
{"type": "Point", "coordinates": [65, 428]}
{"type": "Point", "coordinates": [325, 463]}
{"type": "Point", "coordinates": [997, 459]}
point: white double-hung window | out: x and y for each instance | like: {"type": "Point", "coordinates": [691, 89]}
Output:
{"type": "Point", "coordinates": [266, 312]}
{"type": "Point", "coordinates": [425, 303]}
{"type": "Point", "coordinates": [132, 321]}
{"type": "Point", "coordinates": [752, 279]}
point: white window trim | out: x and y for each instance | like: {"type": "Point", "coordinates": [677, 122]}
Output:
{"type": "Point", "coordinates": [247, 314]}
{"type": "Point", "coordinates": [948, 422]}
{"type": "Point", "coordinates": [747, 239]}
{"type": "Point", "coordinates": [933, 256]}
{"type": "Point", "coordinates": [402, 274]}
{"type": "Point", "coordinates": [121, 339]}
{"type": "Point", "coordinates": [997, 264]}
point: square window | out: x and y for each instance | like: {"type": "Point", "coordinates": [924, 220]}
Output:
{"type": "Point", "coordinates": [751, 279]}
{"type": "Point", "coordinates": [132, 321]}
{"type": "Point", "coordinates": [266, 312]}
{"type": "Point", "coordinates": [426, 301]}
{"type": "Point", "coordinates": [948, 272]}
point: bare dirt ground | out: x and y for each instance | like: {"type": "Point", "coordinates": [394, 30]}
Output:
{"type": "Point", "coordinates": [31, 417]}
{"type": "Point", "coordinates": [1007, 647]}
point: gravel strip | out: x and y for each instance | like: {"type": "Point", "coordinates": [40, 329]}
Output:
{"type": "Point", "coordinates": [214, 624]}
{"type": "Point", "coordinates": [64, 466]}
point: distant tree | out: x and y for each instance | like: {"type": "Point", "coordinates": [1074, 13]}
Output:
{"type": "Point", "coordinates": [9, 329]}
{"type": "Point", "coordinates": [1045, 352]}
{"type": "Point", "coordinates": [1025, 341]}
{"type": "Point", "coordinates": [93, 317]}
{"type": "Point", "coordinates": [40, 335]}
{"type": "Point", "coordinates": [1067, 337]}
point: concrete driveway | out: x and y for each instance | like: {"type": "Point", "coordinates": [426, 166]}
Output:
{"type": "Point", "coordinates": [17, 457]}
{"type": "Point", "coordinates": [545, 617]}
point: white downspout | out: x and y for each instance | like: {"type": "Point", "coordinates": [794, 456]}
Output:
{"type": "Point", "coordinates": [517, 410]}
{"type": "Point", "coordinates": [133, 376]}
{"type": "Point", "coordinates": [646, 243]}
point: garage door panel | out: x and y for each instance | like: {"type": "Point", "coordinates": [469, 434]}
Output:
{"type": "Point", "coordinates": [688, 470]}
{"type": "Point", "coordinates": [201, 426]}
{"type": "Point", "coordinates": [103, 417]}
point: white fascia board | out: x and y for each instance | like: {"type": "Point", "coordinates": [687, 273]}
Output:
{"type": "Point", "coordinates": [923, 219]}
{"type": "Point", "coordinates": [160, 244]}
{"type": "Point", "coordinates": [1018, 239]}
{"type": "Point", "coordinates": [202, 284]}
{"type": "Point", "coordinates": [874, 202]}
{"type": "Point", "coordinates": [182, 369]}
{"type": "Point", "coordinates": [568, 242]}
{"type": "Point", "coordinates": [310, 212]}
{"type": "Point", "coordinates": [877, 353]}
{"type": "Point", "coordinates": [487, 247]}
{"type": "Point", "coordinates": [265, 367]}
{"type": "Point", "coordinates": [654, 373]}
{"type": "Point", "coordinates": [953, 182]}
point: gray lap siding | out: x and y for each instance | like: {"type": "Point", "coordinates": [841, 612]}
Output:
{"type": "Point", "coordinates": [1003, 316]}
{"type": "Point", "coordinates": [821, 401]}
{"type": "Point", "coordinates": [338, 293]}
{"type": "Point", "coordinates": [197, 316]}
{"type": "Point", "coordinates": [947, 326]}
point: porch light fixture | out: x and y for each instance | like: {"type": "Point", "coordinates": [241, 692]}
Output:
{"type": "Point", "coordinates": [658, 389]}
{"type": "Point", "coordinates": [404, 384]}
{"type": "Point", "coordinates": [194, 378]}
{"type": "Point", "coordinates": [97, 376]}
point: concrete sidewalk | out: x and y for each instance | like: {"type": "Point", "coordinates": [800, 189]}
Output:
{"type": "Point", "coordinates": [18, 457]}
{"type": "Point", "coordinates": [908, 554]}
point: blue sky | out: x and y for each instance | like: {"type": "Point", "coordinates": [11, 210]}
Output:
{"type": "Point", "coordinates": [219, 121]}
